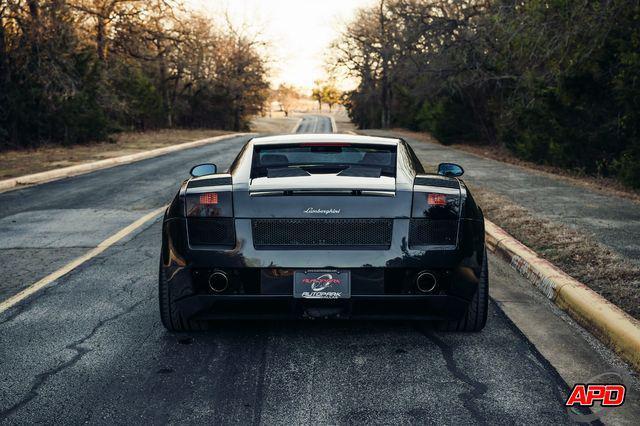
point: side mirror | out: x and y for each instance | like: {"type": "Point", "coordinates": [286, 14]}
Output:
{"type": "Point", "coordinates": [204, 170]}
{"type": "Point", "coordinates": [450, 170]}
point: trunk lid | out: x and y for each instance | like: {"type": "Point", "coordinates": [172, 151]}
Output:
{"type": "Point", "coordinates": [322, 196]}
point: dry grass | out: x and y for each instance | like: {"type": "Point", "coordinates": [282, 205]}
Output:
{"type": "Point", "coordinates": [609, 186]}
{"type": "Point", "coordinates": [576, 253]}
{"type": "Point", "coordinates": [22, 162]}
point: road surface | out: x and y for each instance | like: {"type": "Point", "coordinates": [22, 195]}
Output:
{"type": "Point", "coordinates": [315, 124]}
{"type": "Point", "coordinates": [90, 348]}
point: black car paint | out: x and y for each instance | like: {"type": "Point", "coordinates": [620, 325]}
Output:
{"type": "Point", "coordinates": [375, 271]}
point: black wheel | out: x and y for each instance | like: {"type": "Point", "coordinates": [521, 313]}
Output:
{"type": "Point", "coordinates": [170, 315]}
{"type": "Point", "coordinates": [476, 316]}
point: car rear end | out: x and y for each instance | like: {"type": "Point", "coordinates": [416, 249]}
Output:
{"type": "Point", "coordinates": [323, 229]}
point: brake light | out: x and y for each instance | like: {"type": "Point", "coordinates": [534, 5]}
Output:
{"type": "Point", "coordinates": [209, 198]}
{"type": "Point", "coordinates": [325, 144]}
{"type": "Point", "coordinates": [437, 199]}
{"type": "Point", "coordinates": [209, 204]}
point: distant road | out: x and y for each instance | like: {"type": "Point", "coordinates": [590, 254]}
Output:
{"type": "Point", "coordinates": [91, 349]}
{"type": "Point", "coordinates": [315, 124]}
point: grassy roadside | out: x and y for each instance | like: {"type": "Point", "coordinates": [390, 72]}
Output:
{"type": "Point", "coordinates": [602, 184]}
{"type": "Point", "coordinates": [576, 253]}
{"type": "Point", "coordinates": [23, 162]}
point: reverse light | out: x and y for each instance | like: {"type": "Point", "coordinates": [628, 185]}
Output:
{"type": "Point", "coordinates": [436, 199]}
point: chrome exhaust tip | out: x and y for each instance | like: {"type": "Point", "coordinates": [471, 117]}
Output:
{"type": "Point", "coordinates": [426, 282]}
{"type": "Point", "coordinates": [218, 282]}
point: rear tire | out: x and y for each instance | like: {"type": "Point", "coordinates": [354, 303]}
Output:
{"type": "Point", "coordinates": [170, 315]}
{"type": "Point", "coordinates": [476, 317]}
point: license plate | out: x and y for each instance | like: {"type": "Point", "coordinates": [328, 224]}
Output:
{"type": "Point", "coordinates": [321, 284]}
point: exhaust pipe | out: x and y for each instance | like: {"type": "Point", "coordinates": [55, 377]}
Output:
{"type": "Point", "coordinates": [218, 282]}
{"type": "Point", "coordinates": [426, 282]}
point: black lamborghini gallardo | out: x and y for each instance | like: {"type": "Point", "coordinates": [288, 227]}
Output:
{"type": "Point", "coordinates": [324, 226]}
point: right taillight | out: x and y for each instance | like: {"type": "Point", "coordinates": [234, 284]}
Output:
{"type": "Point", "coordinates": [435, 205]}
{"type": "Point", "coordinates": [434, 199]}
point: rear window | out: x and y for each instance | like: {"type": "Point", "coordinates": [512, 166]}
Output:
{"type": "Point", "coordinates": [318, 158]}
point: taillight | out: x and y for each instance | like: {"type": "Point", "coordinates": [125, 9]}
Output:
{"type": "Point", "coordinates": [436, 199]}
{"type": "Point", "coordinates": [209, 204]}
{"type": "Point", "coordinates": [209, 198]}
{"type": "Point", "coordinates": [435, 205]}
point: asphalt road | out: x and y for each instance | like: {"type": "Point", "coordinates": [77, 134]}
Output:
{"type": "Point", "coordinates": [90, 348]}
{"type": "Point", "coordinates": [315, 124]}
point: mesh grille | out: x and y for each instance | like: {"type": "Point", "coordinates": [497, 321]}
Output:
{"type": "Point", "coordinates": [437, 181]}
{"type": "Point", "coordinates": [211, 231]}
{"type": "Point", "coordinates": [322, 232]}
{"type": "Point", "coordinates": [423, 232]}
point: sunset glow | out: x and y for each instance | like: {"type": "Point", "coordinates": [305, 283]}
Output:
{"type": "Point", "coordinates": [298, 32]}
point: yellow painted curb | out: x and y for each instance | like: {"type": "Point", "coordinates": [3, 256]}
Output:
{"type": "Point", "coordinates": [48, 176]}
{"type": "Point", "coordinates": [610, 324]}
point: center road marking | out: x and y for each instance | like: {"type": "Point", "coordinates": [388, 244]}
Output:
{"type": "Point", "coordinates": [39, 285]}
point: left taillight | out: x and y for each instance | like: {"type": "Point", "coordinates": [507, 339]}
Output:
{"type": "Point", "coordinates": [209, 204]}
{"type": "Point", "coordinates": [210, 218]}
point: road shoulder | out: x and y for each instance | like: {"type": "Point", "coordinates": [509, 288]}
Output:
{"type": "Point", "coordinates": [574, 353]}
{"type": "Point", "coordinates": [79, 169]}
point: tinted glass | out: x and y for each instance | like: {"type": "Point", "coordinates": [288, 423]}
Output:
{"type": "Point", "coordinates": [327, 158]}
{"type": "Point", "coordinates": [450, 169]}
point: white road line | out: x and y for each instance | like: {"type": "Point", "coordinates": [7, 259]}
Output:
{"type": "Point", "coordinates": [39, 285]}
{"type": "Point", "coordinates": [297, 126]}
{"type": "Point", "coordinates": [334, 126]}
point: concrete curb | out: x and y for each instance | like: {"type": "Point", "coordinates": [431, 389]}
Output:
{"type": "Point", "coordinates": [610, 324]}
{"type": "Point", "coordinates": [50, 175]}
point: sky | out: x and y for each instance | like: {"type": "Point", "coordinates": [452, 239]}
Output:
{"type": "Point", "coordinates": [299, 32]}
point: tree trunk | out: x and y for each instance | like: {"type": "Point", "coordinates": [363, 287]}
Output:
{"type": "Point", "coordinates": [385, 94]}
{"type": "Point", "coordinates": [34, 9]}
{"type": "Point", "coordinates": [100, 39]}
{"type": "Point", "coordinates": [4, 69]}
{"type": "Point", "coordinates": [236, 118]}
{"type": "Point", "coordinates": [165, 93]}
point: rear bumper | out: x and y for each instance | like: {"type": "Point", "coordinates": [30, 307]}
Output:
{"type": "Point", "coordinates": [382, 280]}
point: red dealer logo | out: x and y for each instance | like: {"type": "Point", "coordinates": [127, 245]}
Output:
{"type": "Point", "coordinates": [588, 401]}
{"type": "Point", "coordinates": [605, 395]}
